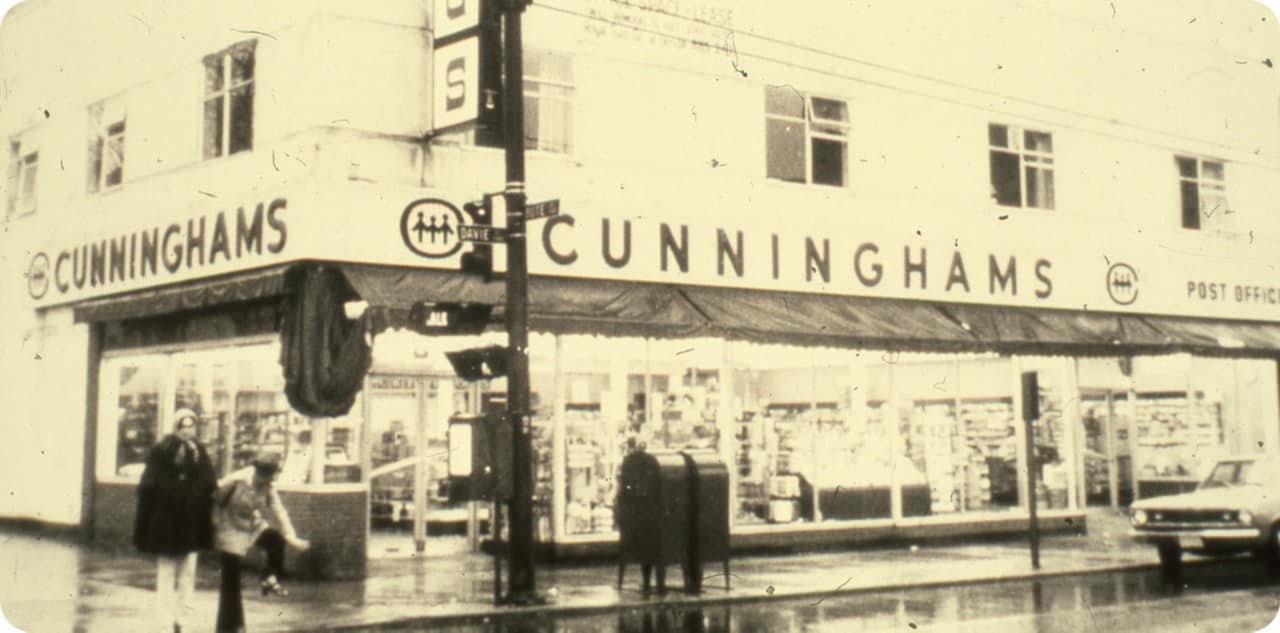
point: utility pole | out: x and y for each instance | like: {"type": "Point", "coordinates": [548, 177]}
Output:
{"type": "Point", "coordinates": [522, 588]}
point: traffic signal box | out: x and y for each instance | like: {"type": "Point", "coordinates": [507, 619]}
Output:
{"type": "Point", "coordinates": [480, 463]}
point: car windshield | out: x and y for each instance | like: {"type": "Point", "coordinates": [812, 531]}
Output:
{"type": "Point", "coordinates": [1247, 473]}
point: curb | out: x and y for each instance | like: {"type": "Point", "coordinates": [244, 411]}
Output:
{"type": "Point", "coordinates": [676, 600]}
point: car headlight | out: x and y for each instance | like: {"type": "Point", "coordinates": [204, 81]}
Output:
{"type": "Point", "coordinates": [1139, 517]}
{"type": "Point", "coordinates": [1245, 517]}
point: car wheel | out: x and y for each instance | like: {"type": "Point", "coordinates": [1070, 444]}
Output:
{"type": "Point", "coordinates": [1170, 558]}
{"type": "Point", "coordinates": [1270, 554]}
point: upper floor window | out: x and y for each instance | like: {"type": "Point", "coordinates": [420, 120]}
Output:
{"type": "Point", "coordinates": [1204, 191]}
{"type": "Point", "coordinates": [806, 137]}
{"type": "Point", "coordinates": [548, 104]}
{"type": "Point", "coordinates": [228, 100]}
{"type": "Point", "coordinates": [106, 146]}
{"type": "Point", "coordinates": [24, 163]}
{"type": "Point", "coordinates": [1021, 167]}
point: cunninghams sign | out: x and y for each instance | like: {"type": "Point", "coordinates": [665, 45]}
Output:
{"type": "Point", "coordinates": [1077, 268]}
{"type": "Point", "coordinates": [867, 265]}
{"type": "Point", "coordinates": [162, 252]}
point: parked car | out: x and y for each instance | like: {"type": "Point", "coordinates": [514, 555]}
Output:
{"type": "Point", "coordinates": [1235, 509]}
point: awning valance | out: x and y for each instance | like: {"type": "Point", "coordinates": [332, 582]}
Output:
{"type": "Point", "coordinates": [589, 306]}
{"type": "Point", "coordinates": [616, 308]}
{"type": "Point", "coordinates": [194, 295]}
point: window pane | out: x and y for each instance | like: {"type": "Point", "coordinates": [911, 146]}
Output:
{"type": "Point", "coordinates": [1039, 142]}
{"type": "Point", "coordinates": [1005, 183]}
{"type": "Point", "coordinates": [828, 162]}
{"type": "Point", "coordinates": [1211, 171]}
{"type": "Point", "coordinates": [241, 119]}
{"type": "Point", "coordinates": [241, 65]}
{"type": "Point", "coordinates": [139, 416]}
{"type": "Point", "coordinates": [555, 129]}
{"type": "Point", "coordinates": [27, 198]}
{"type": "Point", "coordinates": [1186, 167]}
{"type": "Point", "coordinates": [830, 110]}
{"type": "Point", "coordinates": [1213, 205]}
{"type": "Point", "coordinates": [549, 66]}
{"type": "Point", "coordinates": [1190, 204]}
{"type": "Point", "coordinates": [113, 161]}
{"type": "Point", "coordinates": [1039, 188]}
{"type": "Point", "coordinates": [213, 128]}
{"type": "Point", "coordinates": [784, 146]}
{"type": "Point", "coordinates": [785, 101]}
{"type": "Point", "coordinates": [95, 163]}
{"type": "Point", "coordinates": [531, 123]}
{"type": "Point", "coordinates": [213, 74]}
{"type": "Point", "coordinates": [998, 135]}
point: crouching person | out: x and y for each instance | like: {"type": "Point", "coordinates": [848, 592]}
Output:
{"type": "Point", "coordinates": [248, 514]}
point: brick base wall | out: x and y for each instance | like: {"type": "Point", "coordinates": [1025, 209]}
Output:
{"type": "Point", "coordinates": [334, 521]}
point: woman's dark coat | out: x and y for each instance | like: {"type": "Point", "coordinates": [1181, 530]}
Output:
{"type": "Point", "coordinates": [175, 499]}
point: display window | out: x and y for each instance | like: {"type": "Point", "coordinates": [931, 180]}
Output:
{"type": "Point", "coordinates": [237, 393]}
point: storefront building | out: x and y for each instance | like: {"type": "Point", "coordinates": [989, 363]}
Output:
{"type": "Point", "coordinates": [835, 287]}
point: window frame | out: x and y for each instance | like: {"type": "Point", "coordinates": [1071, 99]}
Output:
{"type": "Point", "coordinates": [108, 132]}
{"type": "Point", "coordinates": [1042, 161]}
{"type": "Point", "coordinates": [1201, 183]}
{"type": "Point", "coordinates": [813, 128]}
{"type": "Point", "coordinates": [23, 177]}
{"type": "Point", "coordinates": [224, 95]}
{"type": "Point", "coordinates": [560, 85]}
{"type": "Point", "coordinates": [494, 136]}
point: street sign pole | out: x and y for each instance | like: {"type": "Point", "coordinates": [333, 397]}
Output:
{"type": "Point", "coordinates": [520, 575]}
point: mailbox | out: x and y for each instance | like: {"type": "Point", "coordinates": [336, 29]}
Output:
{"type": "Point", "coordinates": [653, 513]}
{"type": "Point", "coordinates": [673, 508]}
{"type": "Point", "coordinates": [709, 492]}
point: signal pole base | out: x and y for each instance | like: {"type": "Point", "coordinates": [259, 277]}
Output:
{"type": "Point", "coordinates": [526, 599]}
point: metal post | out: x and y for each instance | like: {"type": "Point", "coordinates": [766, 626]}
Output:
{"type": "Point", "coordinates": [1032, 466]}
{"type": "Point", "coordinates": [520, 554]}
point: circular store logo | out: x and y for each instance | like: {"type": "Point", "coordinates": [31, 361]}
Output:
{"type": "Point", "coordinates": [429, 228]}
{"type": "Point", "coordinates": [38, 276]}
{"type": "Point", "coordinates": [1122, 283]}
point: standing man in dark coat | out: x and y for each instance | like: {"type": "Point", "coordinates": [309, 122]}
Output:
{"type": "Point", "coordinates": [175, 498]}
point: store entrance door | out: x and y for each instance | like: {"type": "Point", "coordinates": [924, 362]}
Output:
{"type": "Point", "coordinates": [1107, 458]}
{"type": "Point", "coordinates": [408, 468]}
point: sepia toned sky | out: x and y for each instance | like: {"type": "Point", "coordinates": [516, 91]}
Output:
{"type": "Point", "coordinates": [1235, 26]}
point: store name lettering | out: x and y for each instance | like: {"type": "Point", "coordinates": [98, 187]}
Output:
{"type": "Point", "coordinates": [202, 241]}
{"type": "Point", "coordinates": [868, 264]}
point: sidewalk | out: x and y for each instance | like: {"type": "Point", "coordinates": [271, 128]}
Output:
{"type": "Point", "coordinates": [49, 585]}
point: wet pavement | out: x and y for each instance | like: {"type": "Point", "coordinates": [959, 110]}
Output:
{"type": "Point", "coordinates": [50, 585]}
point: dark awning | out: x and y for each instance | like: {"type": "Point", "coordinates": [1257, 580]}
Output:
{"type": "Point", "coordinates": [618, 308]}
{"type": "Point", "coordinates": [556, 305]}
{"type": "Point", "coordinates": [193, 295]}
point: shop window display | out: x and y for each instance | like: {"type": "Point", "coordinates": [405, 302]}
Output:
{"type": "Point", "coordinates": [1175, 436]}
{"type": "Point", "coordinates": [137, 425]}
{"type": "Point", "coordinates": [237, 394]}
{"type": "Point", "coordinates": [592, 453]}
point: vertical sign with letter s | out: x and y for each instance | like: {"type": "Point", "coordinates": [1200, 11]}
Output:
{"type": "Point", "coordinates": [454, 16]}
{"type": "Point", "coordinates": [455, 92]}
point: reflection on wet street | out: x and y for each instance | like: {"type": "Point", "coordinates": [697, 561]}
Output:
{"type": "Point", "coordinates": [1236, 595]}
